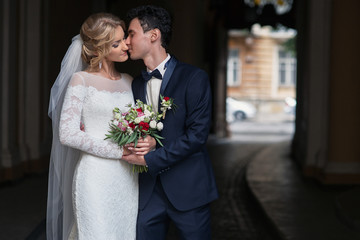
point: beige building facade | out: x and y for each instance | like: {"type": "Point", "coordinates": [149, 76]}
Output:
{"type": "Point", "coordinates": [259, 68]}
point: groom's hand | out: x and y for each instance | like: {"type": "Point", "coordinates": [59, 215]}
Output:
{"type": "Point", "coordinates": [143, 146]}
{"type": "Point", "coordinates": [135, 159]}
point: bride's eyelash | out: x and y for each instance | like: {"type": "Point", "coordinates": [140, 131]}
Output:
{"type": "Point", "coordinates": [115, 45]}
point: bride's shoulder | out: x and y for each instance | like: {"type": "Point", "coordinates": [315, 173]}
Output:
{"type": "Point", "coordinates": [127, 77]}
{"type": "Point", "coordinates": [80, 75]}
{"type": "Point", "coordinates": [87, 78]}
{"type": "Point", "coordinates": [77, 79]}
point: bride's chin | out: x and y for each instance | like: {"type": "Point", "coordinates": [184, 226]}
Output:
{"type": "Point", "coordinates": [123, 59]}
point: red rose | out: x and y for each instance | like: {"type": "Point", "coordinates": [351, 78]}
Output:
{"type": "Point", "coordinates": [144, 126]}
{"type": "Point", "coordinates": [166, 98]}
{"type": "Point", "coordinates": [139, 110]}
{"type": "Point", "coordinates": [132, 125]}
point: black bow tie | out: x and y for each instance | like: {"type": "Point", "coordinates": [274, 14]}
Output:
{"type": "Point", "coordinates": [147, 76]}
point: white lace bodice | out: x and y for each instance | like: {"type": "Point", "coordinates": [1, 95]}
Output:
{"type": "Point", "coordinates": [90, 100]}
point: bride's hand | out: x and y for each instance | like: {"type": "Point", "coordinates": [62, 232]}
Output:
{"type": "Point", "coordinates": [143, 146]}
{"type": "Point", "coordinates": [126, 151]}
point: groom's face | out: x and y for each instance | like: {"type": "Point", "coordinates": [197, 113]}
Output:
{"type": "Point", "coordinates": [138, 42]}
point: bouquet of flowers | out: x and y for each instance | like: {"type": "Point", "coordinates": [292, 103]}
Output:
{"type": "Point", "coordinates": [139, 121]}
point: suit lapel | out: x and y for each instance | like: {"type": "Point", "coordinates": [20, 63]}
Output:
{"type": "Point", "coordinates": [141, 90]}
{"type": "Point", "coordinates": [144, 91]}
{"type": "Point", "coordinates": [169, 71]}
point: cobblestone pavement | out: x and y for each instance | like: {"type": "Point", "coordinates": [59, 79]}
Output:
{"type": "Point", "coordinates": [235, 215]}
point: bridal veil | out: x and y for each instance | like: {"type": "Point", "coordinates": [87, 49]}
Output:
{"type": "Point", "coordinates": [60, 219]}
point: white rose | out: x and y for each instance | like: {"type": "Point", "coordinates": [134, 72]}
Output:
{"type": "Point", "coordinates": [160, 126]}
{"type": "Point", "coordinates": [115, 122]}
{"type": "Point", "coordinates": [153, 124]}
{"type": "Point", "coordinates": [147, 113]}
{"type": "Point", "coordinates": [137, 120]}
{"type": "Point", "coordinates": [117, 116]}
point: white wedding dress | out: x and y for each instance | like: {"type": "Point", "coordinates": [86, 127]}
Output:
{"type": "Point", "coordinates": [105, 190]}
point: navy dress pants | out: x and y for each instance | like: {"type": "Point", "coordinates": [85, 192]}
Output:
{"type": "Point", "coordinates": [153, 221]}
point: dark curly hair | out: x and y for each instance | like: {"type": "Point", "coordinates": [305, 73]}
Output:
{"type": "Point", "coordinates": [151, 17]}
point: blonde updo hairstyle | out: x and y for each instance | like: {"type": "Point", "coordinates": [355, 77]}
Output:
{"type": "Point", "coordinates": [98, 33]}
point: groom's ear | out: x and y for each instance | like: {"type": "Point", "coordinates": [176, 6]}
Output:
{"type": "Point", "coordinates": [155, 34]}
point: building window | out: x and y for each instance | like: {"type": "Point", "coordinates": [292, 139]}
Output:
{"type": "Point", "coordinates": [287, 69]}
{"type": "Point", "coordinates": [233, 67]}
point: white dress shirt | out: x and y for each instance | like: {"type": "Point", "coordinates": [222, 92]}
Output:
{"type": "Point", "coordinates": [154, 84]}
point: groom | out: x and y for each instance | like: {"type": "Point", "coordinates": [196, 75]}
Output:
{"type": "Point", "coordinates": [179, 184]}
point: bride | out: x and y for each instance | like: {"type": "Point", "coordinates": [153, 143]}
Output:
{"type": "Point", "coordinates": [92, 194]}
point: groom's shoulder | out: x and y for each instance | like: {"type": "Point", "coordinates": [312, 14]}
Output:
{"type": "Point", "coordinates": [184, 65]}
{"type": "Point", "coordinates": [189, 68]}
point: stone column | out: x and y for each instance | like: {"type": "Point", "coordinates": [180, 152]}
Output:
{"type": "Point", "coordinates": [311, 136]}
{"type": "Point", "coordinates": [31, 83]}
{"type": "Point", "coordinates": [9, 126]}
{"type": "Point", "coordinates": [326, 138]}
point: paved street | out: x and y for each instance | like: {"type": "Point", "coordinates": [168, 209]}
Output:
{"type": "Point", "coordinates": [265, 128]}
{"type": "Point", "coordinates": [236, 214]}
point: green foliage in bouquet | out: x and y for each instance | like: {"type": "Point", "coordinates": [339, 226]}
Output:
{"type": "Point", "coordinates": [138, 122]}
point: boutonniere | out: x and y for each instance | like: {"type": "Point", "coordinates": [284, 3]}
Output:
{"type": "Point", "coordinates": [166, 104]}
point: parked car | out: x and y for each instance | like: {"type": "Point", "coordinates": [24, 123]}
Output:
{"type": "Point", "coordinates": [290, 105]}
{"type": "Point", "coordinates": [239, 110]}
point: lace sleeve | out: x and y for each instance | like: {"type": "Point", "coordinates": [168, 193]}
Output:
{"type": "Point", "coordinates": [69, 129]}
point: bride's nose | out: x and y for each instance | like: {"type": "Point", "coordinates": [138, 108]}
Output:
{"type": "Point", "coordinates": [124, 46]}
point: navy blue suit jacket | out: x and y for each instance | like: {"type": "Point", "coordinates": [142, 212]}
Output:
{"type": "Point", "coordinates": [183, 164]}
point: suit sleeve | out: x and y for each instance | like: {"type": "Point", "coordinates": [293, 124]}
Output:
{"type": "Point", "coordinates": [197, 124]}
